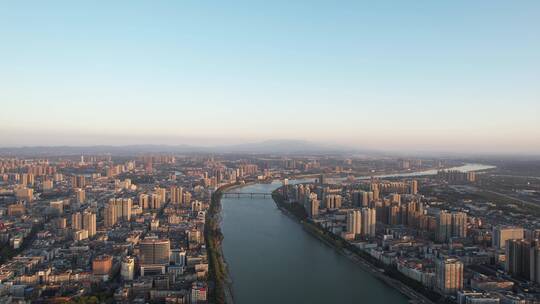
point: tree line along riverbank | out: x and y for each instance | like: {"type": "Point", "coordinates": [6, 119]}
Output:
{"type": "Point", "coordinates": [219, 289]}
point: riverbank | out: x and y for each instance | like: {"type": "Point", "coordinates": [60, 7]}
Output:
{"type": "Point", "coordinates": [220, 283]}
{"type": "Point", "coordinates": [410, 289]}
{"type": "Point", "coordinates": [254, 229]}
{"type": "Point", "coordinates": [398, 173]}
{"type": "Point", "coordinates": [358, 175]}
{"type": "Point", "coordinates": [264, 247]}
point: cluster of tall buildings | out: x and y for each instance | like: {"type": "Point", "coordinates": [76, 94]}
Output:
{"type": "Point", "coordinates": [333, 201]}
{"type": "Point", "coordinates": [132, 227]}
{"type": "Point", "coordinates": [361, 222]}
{"type": "Point", "coordinates": [454, 176]}
{"type": "Point", "coordinates": [501, 234]}
{"type": "Point", "coordinates": [521, 256]}
{"type": "Point", "coordinates": [117, 209]}
{"type": "Point", "coordinates": [432, 243]}
{"type": "Point", "coordinates": [451, 225]}
{"type": "Point", "coordinates": [83, 225]}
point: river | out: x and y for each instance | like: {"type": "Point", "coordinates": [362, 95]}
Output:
{"type": "Point", "coordinates": [271, 259]}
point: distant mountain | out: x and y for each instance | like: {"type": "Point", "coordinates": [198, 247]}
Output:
{"type": "Point", "coordinates": [283, 147]}
{"type": "Point", "coordinates": [270, 147]}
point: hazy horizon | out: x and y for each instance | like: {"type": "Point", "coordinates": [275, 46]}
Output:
{"type": "Point", "coordinates": [454, 76]}
{"type": "Point", "coordinates": [278, 146]}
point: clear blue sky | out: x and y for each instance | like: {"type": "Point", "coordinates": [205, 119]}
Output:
{"type": "Point", "coordinates": [406, 75]}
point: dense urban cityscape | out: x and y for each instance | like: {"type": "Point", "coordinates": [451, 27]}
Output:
{"type": "Point", "coordinates": [146, 228]}
{"type": "Point", "coordinates": [265, 152]}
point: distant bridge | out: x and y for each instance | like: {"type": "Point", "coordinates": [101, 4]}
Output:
{"type": "Point", "coordinates": [247, 194]}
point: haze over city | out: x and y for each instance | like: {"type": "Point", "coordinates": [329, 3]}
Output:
{"type": "Point", "coordinates": [455, 76]}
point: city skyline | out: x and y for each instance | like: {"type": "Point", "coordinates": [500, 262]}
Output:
{"type": "Point", "coordinates": [207, 152]}
{"type": "Point", "coordinates": [397, 76]}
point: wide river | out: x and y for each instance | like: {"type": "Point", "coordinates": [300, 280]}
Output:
{"type": "Point", "coordinates": [271, 259]}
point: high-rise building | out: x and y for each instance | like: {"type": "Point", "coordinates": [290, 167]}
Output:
{"type": "Point", "coordinates": [76, 221]}
{"type": "Point", "coordinates": [523, 259]}
{"type": "Point", "coordinates": [360, 199]}
{"type": "Point", "coordinates": [311, 203]}
{"type": "Point", "coordinates": [370, 198]}
{"type": "Point", "coordinates": [89, 223]}
{"type": "Point", "coordinates": [354, 222]}
{"type": "Point", "coordinates": [414, 187]}
{"type": "Point", "coordinates": [144, 200]}
{"type": "Point", "coordinates": [162, 193]}
{"type": "Point", "coordinates": [154, 251]}
{"type": "Point", "coordinates": [333, 201]}
{"type": "Point", "coordinates": [451, 224]}
{"type": "Point", "coordinates": [313, 210]}
{"type": "Point", "coordinates": [375, 191]}
{"type": "Point", "coordinates": [362, 222]}
{"type": "Point", "coordinates": [126, 209]}
{"type": "Point", "coordinates": [61, 223]}
{"type": "Point", "coordinates": [459, 224]}
{"type": "Point", "coordinates": [366, 198]}
{"type": "Point", "coordinates": [47, 185]}
{"type": "Point", "coordinates": [444, 226]}
{"type": "Point", "coordinates": [78, 181]}
{"type": "Point", "coordinates": [176, 194]}
{"type": "Point", "coordinates": [122, 206]}
{"type": "Point", "coordinates": [80, 195]}
{"type": "Point", "coordinates": [414, 210]}
{"type": "Point", "coordinates": [27, 179]}
{"type": "Point", "coordinates": [502, 234]}
{"type": "Point", "coordinates": [127, 269]}
{"type": "Point", "coordinates": [109, 213]}
{"type": "Point", "coordinates": [394, 216]}
{"type": "Point", "coordinates": [369, 218]}
{"type": "Point", "coordinates": [449, 275]}
{"type": "Point", "coordinates": [186, 198]}
{"type": "Point", "coordinates": [155, 201]}
{"type": "Point", "coordinates": [23, 181]}
{"type": "Point", "coordinates": [518, 258]}
{"type": "Point", "coordinates": [535, 263]}
{"type": "Point", "coordinates": [172, 194]}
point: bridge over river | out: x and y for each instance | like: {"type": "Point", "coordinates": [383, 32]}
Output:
{"type": "Point", "coordinates": [247, 194]}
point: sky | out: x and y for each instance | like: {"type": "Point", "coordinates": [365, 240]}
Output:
{"type": "Point", "coordinates": [457, 76]}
